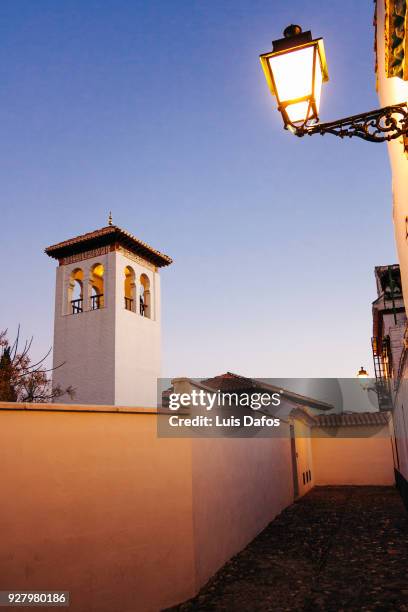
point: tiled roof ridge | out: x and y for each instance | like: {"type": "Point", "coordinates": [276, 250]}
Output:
{"type": "Point", "coordinates": [103, 231]}
{"type": "Point", "coordinates": [350, 419]}
{"type": "Point", "coordinates": [232, 375]}
{"type": "Point", "coordinates": [254, 384]}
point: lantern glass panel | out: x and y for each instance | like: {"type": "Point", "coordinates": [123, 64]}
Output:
{"type": "Point", "coordinates": [293, 73]}
{"type": "Point", "coordinates": [300, 111]}
{"type": "Point", "coordinates": [318, 82]}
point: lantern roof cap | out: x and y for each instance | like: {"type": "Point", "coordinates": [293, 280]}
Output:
{"type": "Point", "coordinates": [292, 40]}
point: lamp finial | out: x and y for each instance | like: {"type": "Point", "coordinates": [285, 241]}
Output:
{"type": "Point", "coordinates": [292, 30]}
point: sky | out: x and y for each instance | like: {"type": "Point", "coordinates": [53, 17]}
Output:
{"type": "Point", "coordinates": [159, 111]}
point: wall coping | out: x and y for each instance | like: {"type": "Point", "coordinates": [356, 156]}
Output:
{"type": "Point", "coordinates": [51, 407]}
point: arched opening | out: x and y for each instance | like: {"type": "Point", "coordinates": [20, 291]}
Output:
{"type": "Point", "coordinates": [144, 298]}
{"type": "Point", "coordinates": [76, 291]}
{"type": "Point", "coordinates": [130, 289]}
{"type": "Point", "coordinates": [97, 289]}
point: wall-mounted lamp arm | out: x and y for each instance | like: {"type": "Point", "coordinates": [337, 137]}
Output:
{"type": "Point", "coordinates": [378, 125]}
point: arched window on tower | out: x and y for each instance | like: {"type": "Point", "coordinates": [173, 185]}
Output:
{"type": "Point", "coordinates": [76, 291]}
{"type": "Point", "coordinates": [130, 289]}
{"type": "Point", "coordinates": [144, 298]}
{"type": "Point", "coordinates": [97, 290]}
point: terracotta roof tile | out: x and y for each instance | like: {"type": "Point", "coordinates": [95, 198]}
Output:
{"type": "Point", "coordinates": [108, 235]}
{"type": "Point", "coordinates": [230, 382]}
{"type": "Point", "coordinates": [351, 419]}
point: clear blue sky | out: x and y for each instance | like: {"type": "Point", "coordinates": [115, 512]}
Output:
{"type": "Point", "coordinates": [159, 111]}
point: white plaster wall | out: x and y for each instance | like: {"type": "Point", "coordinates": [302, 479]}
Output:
{"type": "Point", "coordinates": [401, 440]}
{"type": "Point", "coordinates": [110, 355]}
{"type": "Point", "coordinates": [396, 333]}
{"type": "Point", "coordinates": [137, 341]}
{"type": "Point", "coordinates": [393, 91]}
{"type": "Point", "coordinates": [400, 419]}
{"type": "Point", "coordinates": [389, 322]}
{"type": "Point", "coordinates": [84, 342]}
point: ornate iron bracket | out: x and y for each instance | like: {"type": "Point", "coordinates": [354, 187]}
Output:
{"type": "Point", "coordinates": [376, 126]}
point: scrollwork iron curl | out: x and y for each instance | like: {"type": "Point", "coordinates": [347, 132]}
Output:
{"type": "Point", "coordinates": [379, 125]}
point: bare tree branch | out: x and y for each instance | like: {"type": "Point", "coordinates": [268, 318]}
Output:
{"type": "Point", "coordinates": [21, 380]}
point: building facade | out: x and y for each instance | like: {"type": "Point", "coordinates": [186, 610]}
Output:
{"type": "Point", "coordinates": [107, 318]}
{"type": "Point", "coordinates": [392, 85]}
{"type": "Point", "coordinates": [391, 47]}
{"type": "Point", "coordinates": [389, 322]}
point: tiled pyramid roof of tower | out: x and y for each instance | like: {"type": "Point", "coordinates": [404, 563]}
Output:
{"type": "Point", "coordinates": [111, 234]}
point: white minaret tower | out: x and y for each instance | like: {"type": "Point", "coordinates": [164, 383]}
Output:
{"type": "Point", "coordinates": [107, 318]}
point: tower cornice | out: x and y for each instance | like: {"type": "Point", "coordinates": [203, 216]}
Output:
{"type": "Point", "coordinates": [109, 238]}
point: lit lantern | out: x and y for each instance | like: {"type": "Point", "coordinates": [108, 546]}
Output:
{"type": "Point", "coordinates": [295, 71]}
{"type": "Point", "coordinates": [362, 373]}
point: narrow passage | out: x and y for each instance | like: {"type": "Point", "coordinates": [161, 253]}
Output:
{"type": "Point", "coordinates": [337, 548]}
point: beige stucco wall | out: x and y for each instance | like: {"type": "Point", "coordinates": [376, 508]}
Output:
{"type": "Point", "coordinates": [239, 486]}
{"type": "Point", "coordinates": [94, 503]}
{"type": "Point", "coordinates": [348, 459]}
{"type": "Point", "coordinates": [304, 456]}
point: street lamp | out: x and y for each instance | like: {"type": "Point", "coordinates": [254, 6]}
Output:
{"type": "Point", "coordinates": [362, 376]}
{"type": "Point", "coordinates": [295, 70]}
{"type": "Point", "coordinates": [362, 373]}
{"type": "Point", "coordinates": [380, 388]}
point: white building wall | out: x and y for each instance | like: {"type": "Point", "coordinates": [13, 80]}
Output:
{"type": "Point", "coordinates": [110, 355]}
{"type": "Point", "coordinates": [394, 91]}
{"type": "Point", "coordinates": [137, 340]}
{"type": "Point", "coordinates": [400, 418]}
{"type": "Point", "coordinates": [84, 342]}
